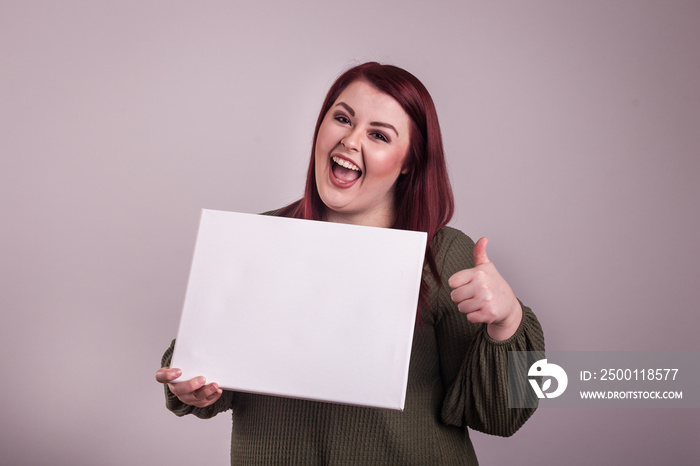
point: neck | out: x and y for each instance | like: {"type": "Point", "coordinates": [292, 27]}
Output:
{"type": "Point", "coordinates": [368, 219]}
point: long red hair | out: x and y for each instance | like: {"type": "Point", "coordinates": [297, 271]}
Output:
{"type": "Point", "coordinates": [423, 197]}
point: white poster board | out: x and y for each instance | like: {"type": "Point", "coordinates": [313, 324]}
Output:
{"type": "Point", "coordinates": [300, 308]}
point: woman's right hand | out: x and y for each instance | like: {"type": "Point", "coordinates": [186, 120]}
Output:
{"type": "Point", "coordinates": [194, 392]}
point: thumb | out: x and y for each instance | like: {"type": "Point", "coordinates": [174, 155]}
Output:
{"type": "Point", "coordinates": [480, 257]}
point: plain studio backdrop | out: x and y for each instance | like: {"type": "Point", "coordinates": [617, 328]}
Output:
{"type": "Point", "coordinates": [572, 136]}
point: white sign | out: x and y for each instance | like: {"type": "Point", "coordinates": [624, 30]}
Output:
{"type": "Point", "coordinates": [301, 308]}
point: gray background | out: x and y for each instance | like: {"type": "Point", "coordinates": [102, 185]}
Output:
{"type": "Point", "coordinates": [571, 130]}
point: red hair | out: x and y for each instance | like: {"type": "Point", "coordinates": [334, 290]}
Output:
{"type": "Point", "coordinates": [423, 199]}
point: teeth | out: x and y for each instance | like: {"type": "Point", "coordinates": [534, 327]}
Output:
{"type": "Point", "coordinates": [346, 164]}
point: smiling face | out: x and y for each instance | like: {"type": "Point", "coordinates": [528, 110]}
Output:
{"type": "Point", "coordinates": [360, 151]}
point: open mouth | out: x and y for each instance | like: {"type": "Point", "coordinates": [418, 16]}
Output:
{"type": "Point", "coordinates": [345, 171]}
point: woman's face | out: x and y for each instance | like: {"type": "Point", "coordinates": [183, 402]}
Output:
{"type": "Point", "coordinates": [360, 151]}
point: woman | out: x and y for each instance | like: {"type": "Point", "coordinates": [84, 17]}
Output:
{"type": "Point", "coordinates": [378, 160]}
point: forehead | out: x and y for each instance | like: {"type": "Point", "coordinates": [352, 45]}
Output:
{"type": "Point", "coordinates": [369, 102]}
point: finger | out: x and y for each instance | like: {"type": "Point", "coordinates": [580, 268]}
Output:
{"type": "Point", "coordinates": [479, 252]}
{"type": "Point", "coordinates": [213, 391]}
{"type": "Point", "coordinates": [215, 396]}
{"type": "Point", "coordinates": [206, 391]}
{"type": "Point", "coordinates": [167, 375]}
{"type": "Point", "coordinates": [477, 317]}
{"type": "Point", "coordinates": [462, 293]}
{"type": "Point", "coordinates": [470, 305]}
{"type": "Point", "coordinates": [203, 396]}
{"type": "Point", "coordinates": [207, 401]}
{"type": "Point", "coordinates": [188, 387]}
{"type": "Point", "coordinates": [460, 278]}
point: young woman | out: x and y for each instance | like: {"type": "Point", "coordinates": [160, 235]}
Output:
{"type": "Point", "coordinates": [378, 160]}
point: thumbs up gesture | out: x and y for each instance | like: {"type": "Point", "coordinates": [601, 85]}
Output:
{"type": "Point", "coordinates": [485, 297]}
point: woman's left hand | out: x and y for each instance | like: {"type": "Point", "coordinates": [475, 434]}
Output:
{"type": "Point", "coordinates": [485, 297]}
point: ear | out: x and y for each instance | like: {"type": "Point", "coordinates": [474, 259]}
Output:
{"type": "Point", "coordinates": [408, 160]}
{"type": "Point", "coordinates": [406, 165]}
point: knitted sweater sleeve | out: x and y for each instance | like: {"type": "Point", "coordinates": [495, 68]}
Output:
{"type": "Point", "coordinates": [174, 404]}
{"type": "Point", "coordinates": [474, 365]}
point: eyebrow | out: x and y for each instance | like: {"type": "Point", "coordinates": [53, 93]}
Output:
{"type": "Point", "coordinates": [374, 123]}
{"type": "Point", "coordinates": [347, 107]}
{"type": "Point", "coordinates": [385, 125]}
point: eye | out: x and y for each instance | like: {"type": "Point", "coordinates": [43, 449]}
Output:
{"type": "Point", "coordinates": [341, 119]}
{"type": "Point", "coordinates": [380, 136]}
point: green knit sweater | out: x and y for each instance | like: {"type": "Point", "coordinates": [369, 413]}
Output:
{"type": "Point", "coordinates": [457, 380]}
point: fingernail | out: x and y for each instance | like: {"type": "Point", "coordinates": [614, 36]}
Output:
{"type": "Point", "coordinates": [202, 380]}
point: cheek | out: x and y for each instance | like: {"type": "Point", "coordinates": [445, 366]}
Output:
{"type": "Point", "coordinates": [327, 137]}
{"type": "Point", "coordinates": [389, 164]}
{"type": "Point", "coordinates": [321, 148]}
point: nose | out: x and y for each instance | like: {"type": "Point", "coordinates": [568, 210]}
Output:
{"type": "Point", "coordinates": [351, 141]}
